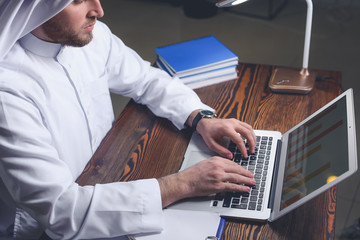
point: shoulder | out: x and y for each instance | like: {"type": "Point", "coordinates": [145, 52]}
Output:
{"type": "Point", "coordinates": [103, 36]}
{"type": "Point", "coordinates": [17, 75]}
{"type": "Point", "coordinates": [105, 40]}
{"type": "Point", "coordinates": [101, 27]}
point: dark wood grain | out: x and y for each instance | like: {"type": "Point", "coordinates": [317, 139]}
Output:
{"type": "Point", "coordinates": [141, 145]}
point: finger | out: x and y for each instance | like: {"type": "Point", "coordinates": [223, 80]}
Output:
{"type": "Point", "coordinates": [239, 141]}
{"type": "Point", "coordinates": [232, 167]}
{"type": "Point", "coordinates": [252, 141]}
{"type": "Point", "coordinates": [233, 187]}
{"type": "Point", "coordinates": [248, 132]}
{"type": "Point", "coordinates": [228, 168]}
{"type": "Point", "coordinates": [240, 179]}
{"type": "Point", "coordinates": [221, 150]}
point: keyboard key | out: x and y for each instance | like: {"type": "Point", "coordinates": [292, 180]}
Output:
{"type": "Point", "coordinates": [251, 167]}
{"type": "Point", "coordinates": [244, 200]}
{"type": "Point", "coordinates": [246, 194]}
{"type": "Point", "coordinates": [241, 206]}
{"type": "Point", "coordinates": [226, 202]}
{"type": "Point", "coordinates": [254, 192]}
{"type": "Point", "coordinates": [237, 194]}
{"type": "Point", "coordinates": [252, 205]}
{"type": "Point", "coordinates": [253, 198]}
{"type": "Point", "coordinates": [237, 156]}
{"type": "Point", "coordinates": [259, 166]}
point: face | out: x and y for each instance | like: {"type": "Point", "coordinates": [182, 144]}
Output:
{"type": "Point", "coordinates": [73, 26]}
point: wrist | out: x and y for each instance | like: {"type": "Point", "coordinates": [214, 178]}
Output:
{"type": "Point", "coordinates": [173, 188]}
{"type": "Point", "coordinates": [200, 115]}
{"type": "Point", "coordinates": [191, 117]}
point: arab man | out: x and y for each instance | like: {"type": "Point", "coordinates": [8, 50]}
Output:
{"type": "Point", "coordinates": [58, 64]}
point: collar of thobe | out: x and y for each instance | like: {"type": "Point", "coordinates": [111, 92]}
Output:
{"type": "Point", "coordinates": [40, 47]}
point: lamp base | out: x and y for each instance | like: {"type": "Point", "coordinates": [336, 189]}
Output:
{"type": "Point", "coordinates": [287, 80]}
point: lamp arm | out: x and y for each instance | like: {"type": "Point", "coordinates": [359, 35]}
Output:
{"type": "Point", "coordinates": [307, 33]}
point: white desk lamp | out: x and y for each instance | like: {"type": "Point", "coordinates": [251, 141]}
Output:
{"type": "Point", "coordinates": [287, 79]}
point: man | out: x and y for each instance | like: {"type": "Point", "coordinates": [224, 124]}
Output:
{"type": "Point", "coordinates": [57, 65]}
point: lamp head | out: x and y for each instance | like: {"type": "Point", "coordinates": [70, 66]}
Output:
{"type": "Point", "coordinates": [229, 3]}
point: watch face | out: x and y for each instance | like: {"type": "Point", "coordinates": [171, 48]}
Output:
{"type": "Point", "coordinates": [207, 113]}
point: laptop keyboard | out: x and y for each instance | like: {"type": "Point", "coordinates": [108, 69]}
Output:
{"type": "Point", "coordinates": [256, 163]}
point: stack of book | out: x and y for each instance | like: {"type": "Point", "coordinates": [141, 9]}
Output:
{"type": "Point", "coordinates": [199, 62]}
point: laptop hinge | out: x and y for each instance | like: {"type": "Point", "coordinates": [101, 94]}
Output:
{"type": "Point", "coordinates": [274, 178]}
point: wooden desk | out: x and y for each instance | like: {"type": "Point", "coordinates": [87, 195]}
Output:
{"type": "Point", "coordinates": [141, 145]}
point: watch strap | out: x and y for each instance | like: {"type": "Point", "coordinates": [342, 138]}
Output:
{"type": "Point", "coordinates": [196, 120]}
{"type": "Point", "coordinates": [202, 114]}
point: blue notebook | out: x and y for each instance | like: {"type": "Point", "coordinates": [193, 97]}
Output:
{"type": "Point", "coordinates": [205, 52]}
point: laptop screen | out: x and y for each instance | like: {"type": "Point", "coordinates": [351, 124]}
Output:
{"type": "Point", "coordinates": [314, 158]}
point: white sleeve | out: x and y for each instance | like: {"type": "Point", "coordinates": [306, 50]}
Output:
{"type": "Point", "coordinates": [40, 183]}
{"type": "Point", "coordinates": [166, 97]}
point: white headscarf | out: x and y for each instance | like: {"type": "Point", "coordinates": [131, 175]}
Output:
{"type": "Point", "coordinates": [19, 17]}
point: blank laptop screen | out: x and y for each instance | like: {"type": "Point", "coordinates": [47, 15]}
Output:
{"type": "Point", "coordinates": [317, 153]}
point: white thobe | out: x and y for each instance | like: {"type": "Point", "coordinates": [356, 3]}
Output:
{"type": "Point", "coordinates": [55, 109]}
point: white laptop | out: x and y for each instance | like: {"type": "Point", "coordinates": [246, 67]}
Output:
{"type": "Point", "coordinates": [290, 169]}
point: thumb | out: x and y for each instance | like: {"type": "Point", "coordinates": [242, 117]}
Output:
{"type": "Point", "coordinates": [222, 151]}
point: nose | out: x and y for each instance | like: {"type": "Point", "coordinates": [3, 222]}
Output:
{"type": "Point", "coordinates": [96, 9]}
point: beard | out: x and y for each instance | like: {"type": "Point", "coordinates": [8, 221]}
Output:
{"type": "Point", "coordinates": [64, 35]}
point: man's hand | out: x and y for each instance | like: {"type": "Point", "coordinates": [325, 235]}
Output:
{"type": "Point", "coordinates": [215, 129]}
{"type": "Point", "coordinates": [215, 174]}
{"type": "Point", "coordinates": [210, 176]}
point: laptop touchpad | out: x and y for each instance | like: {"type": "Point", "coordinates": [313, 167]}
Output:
{"type": "Point", "coordinates": [197, 156]}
